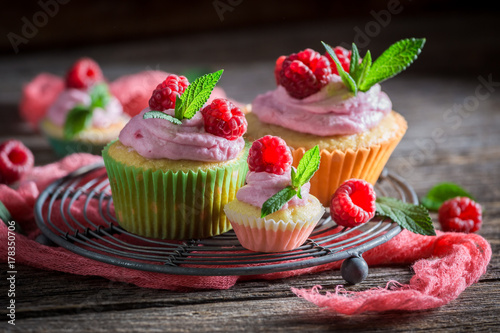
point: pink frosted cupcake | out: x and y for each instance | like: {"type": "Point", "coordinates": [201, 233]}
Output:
{"type": "Point", "coordinates": [85, 116]}
{"type": "Point", "coordinates": [338, 105]}
{"type": "Point", "coordinates": [274, 211]}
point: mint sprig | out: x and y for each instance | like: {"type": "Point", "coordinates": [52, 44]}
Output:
{"type": "Point", "coordinates": [442, 192]}
{"type": "Point", "coordinates": [161, 115]}
{"type": "Point", "coordinates": [277, 201]}
{"type": "Point", "coordinates": [308, 165]}
{"type": "Point", "coordinates": [414, 218]}
{"type": "Point", "coordinates": [193, 98]}
{"type": "Point", "coordinates": [80, 117]}
{"type": "Point", "coordinates": [8, 220]}
{"type": "Point", "coordinates": [99, 96]}
{"type": "Point", "coordinates": [362, 76]}
{"type": "Point", "coordinates": [346, 78]}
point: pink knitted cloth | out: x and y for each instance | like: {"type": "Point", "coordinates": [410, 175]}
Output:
{"type": "Point", "coordinates": [444, 265]}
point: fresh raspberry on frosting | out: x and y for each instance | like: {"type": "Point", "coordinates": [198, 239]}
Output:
{"type": "Point", "coordinates": [163, 97]}
{"type": "Point", "coordinates": [270, 154]}
{"type": "Point", "coordinates": [353, 203]}
{"type": "Point", "coordinates": [224, 119]}
{"type": "Point", "coordinates": [344, 57]}
{"type": "Point", "coordinates": [83, 74]}
{"type": "Point", "coordinates": [305, 73]}
{"type": "Point", "coordinates": [15, 161]}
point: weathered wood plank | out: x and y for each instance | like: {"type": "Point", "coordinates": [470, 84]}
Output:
{"type": "Point", "coordinates": [278, 314]}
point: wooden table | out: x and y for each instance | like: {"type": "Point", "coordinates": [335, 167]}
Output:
{"type": "Point", "coordinates": [466, 152]}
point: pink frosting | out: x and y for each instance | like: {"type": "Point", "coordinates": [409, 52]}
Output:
{"type": "Point", "coordinates": [159, 138]}
{"type": "Point", "coordinates": [262, 185]}
{"type": "Point", "coordinates": [69, 98]}
{"type": "Point", "coordinates": [331, 111]}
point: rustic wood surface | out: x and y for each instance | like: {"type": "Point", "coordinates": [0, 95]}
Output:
{"type": "Point", "coordinates": [467, 152]}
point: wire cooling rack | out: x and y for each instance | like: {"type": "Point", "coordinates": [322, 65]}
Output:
{"type": "Point", "coordinates": [95, 233]}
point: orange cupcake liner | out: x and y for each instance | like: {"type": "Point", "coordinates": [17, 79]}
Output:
{"type": "Point", "coordinates": [338, 166]}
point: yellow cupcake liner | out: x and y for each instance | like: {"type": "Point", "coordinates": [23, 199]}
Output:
{"type": "Point", "coordinates": [338, 166]}
{"type": "Point", "coordinates": [174, 205]}
{"type": "Point", "coordinates": [267, 235]}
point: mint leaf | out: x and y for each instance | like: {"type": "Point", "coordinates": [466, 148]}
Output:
{"type": "Point", "coordinates": [196, 95]}
{"type": "Point", "coordinates": [7, 219]}
{"type": "Point", "coordinates": [414, 218]}
{"type": "Point", "coordinates": [161, 115]}
{"type": "Point", "coordinates": [4, 213]}
{"type": "Point", "coordinates": [346, 78]}
{"type": "Point", "coordinates": [99, 96]}
{"type": "Point", "coordinates": [442, 192]}
{"type": "Point", "coordinates": [353, 67]}
{"type": "Point", "coordinates": [308, 165]}
{"type": "Point", "coordinates": [277, 201]}
{"type": "Point", "coordinates": [178, 111]}
{"type": "Point", "coordinates": [363, 69]}
{"type": "Point", "coordinates": [78, 119]}
{"type": "Point", "coordinates": [393, 61]}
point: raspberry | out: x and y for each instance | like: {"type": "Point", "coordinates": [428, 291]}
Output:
{"type": "Point", "coordinates": [304, 73]}
{"type": "Point", "coordinates": [84, 73]}
{"type": "Point", "coordinates": [270, 154]}
{"type": "Point", "coordinates": [460, 214]}
{"type": "Point", "coordinates": [15, 161]}
{"type": "Point", "coordinates": [277, 68]}
{"type": "Point", "coordinates": [344, 57]}
{"type": "Point", "coordinates": [353, 203]}
{"type": "Point", "coordinates": [224, 119]}
{"type": "Point", "coordinates": [163, 97]}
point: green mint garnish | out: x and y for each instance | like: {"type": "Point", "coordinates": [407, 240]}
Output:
{"type": "Point", "coordinates": [193, 98]}
{"type": "Point", "coordinates": [80, 117]}
{"type": "Point", "coordinates": [362, 76]}
{"type": "Point", "coordinates": [4, 213]}
{"type": "Point", "coordinates": [161, 115]}
{"type": "Point", "coordinates": [414, 218]}
{"type": "Point", "coordinates": [7, 218]}
{"type": "Point", "coordinates": [100, 95]}
{"type": "Point", "coordinates": [394, 60]}
{"type": "Point", "coordinates": [346, 78]}
{"type": "Point", "coordinates": [308, 165]}
{"type": "Point", "coordinates": [442, 192]}
{"type": "Point", "coordinates": [277, 201]}
{"type": "Point", "coordinates": [196, 95]}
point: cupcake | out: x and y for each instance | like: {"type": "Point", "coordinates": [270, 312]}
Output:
{"type": "Point", "coordinates": [85, 116]}
{"type": "Point", "coordinates": [177, 163]}
{"type": "Point", "coordinates": [334, 101]}
{"type": "Point", "coordinates": [274, 211]}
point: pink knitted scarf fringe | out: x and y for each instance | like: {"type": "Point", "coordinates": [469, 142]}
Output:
{"type": "Point", "coordinates": [444, 265]}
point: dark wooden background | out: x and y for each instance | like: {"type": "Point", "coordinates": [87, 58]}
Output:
{"type": "Point", "coordinates": [433, 94]}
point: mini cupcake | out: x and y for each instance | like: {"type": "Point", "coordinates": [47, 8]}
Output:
{"type": "Point", "coordinates": [173, 168]}
{"type": "Point", "coordinates": [85, 116]}
{"type": "Point", "coordinates": [337, 105]}
{"type": "Point", "coordinates": [274, 211]}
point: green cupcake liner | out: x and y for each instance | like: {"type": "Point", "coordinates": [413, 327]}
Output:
{"type": "Point", "coordinates": [174, 205]}
{"type": "Point", "coordinates": [67, 147]}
